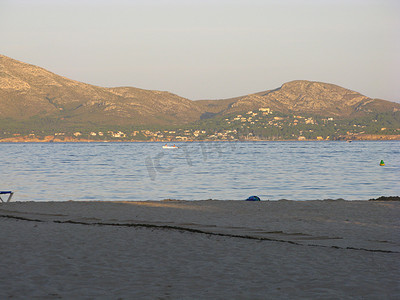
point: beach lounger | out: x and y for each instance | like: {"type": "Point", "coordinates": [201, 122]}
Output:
{"type": "Point", "coordinates": [10, 194]}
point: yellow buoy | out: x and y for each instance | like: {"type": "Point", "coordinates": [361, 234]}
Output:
{"type": "Point", "coordinates": [382, 163]}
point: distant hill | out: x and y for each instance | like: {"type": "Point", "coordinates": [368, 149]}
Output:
{"type": "Point", "coordinates": [309, 97]}
{"type": "Point", "coordinates": [28, 91]}
{"type": "Point", "coordinates": [30, 94]}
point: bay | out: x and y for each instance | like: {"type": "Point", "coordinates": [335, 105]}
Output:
{"type": "Point", "coordinates": [200, 170]}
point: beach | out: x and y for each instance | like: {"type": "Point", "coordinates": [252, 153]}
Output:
{"type": "Point", "coordinates": [331, 249]}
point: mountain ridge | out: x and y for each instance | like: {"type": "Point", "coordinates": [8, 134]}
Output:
{"type": "Point", "coordinates": [31, 92]}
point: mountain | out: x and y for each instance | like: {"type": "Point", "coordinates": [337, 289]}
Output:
{"type": "Point", "coordinates": [28, 91]}
{"type": "Point", "coordinates": [309, 97]}
{"type": "Point", "coordinates": [30, 95]}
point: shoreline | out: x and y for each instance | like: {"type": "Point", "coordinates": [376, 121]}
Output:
{"type": "Point", "coordinates": [71, 140]}
{"type": "Point", "coordinates": [380, 199]}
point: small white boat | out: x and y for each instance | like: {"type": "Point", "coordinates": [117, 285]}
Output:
{"type": "Point", "coordinates": [170, 147]}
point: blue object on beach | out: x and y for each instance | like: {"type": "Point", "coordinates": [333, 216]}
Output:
{"type": "Point", "coordinates": [253, 198]}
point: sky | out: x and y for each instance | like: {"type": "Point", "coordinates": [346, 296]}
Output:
{"type": "Point", "coordinates": [209, 49]}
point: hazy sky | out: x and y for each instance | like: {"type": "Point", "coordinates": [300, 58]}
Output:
{"type": "Point", "coordinates": [210, 49]}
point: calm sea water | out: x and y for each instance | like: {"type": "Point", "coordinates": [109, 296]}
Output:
{"type": "Point", "coordinates": [197, 171]}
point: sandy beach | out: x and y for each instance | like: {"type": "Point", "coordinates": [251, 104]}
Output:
{"type": "Point", "coordinates": [200, 250]}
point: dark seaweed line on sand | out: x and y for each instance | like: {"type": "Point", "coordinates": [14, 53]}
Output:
{"type": "Point", "coordinates": [177, 228]}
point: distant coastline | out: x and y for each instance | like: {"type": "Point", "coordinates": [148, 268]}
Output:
{"type": "Point", "coordinates": [37, 105]}
{"type": "Point", "coordinates": [51, 139]}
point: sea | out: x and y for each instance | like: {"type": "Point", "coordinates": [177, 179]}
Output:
{"type": "Point", "coordinates": [306, 170]}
